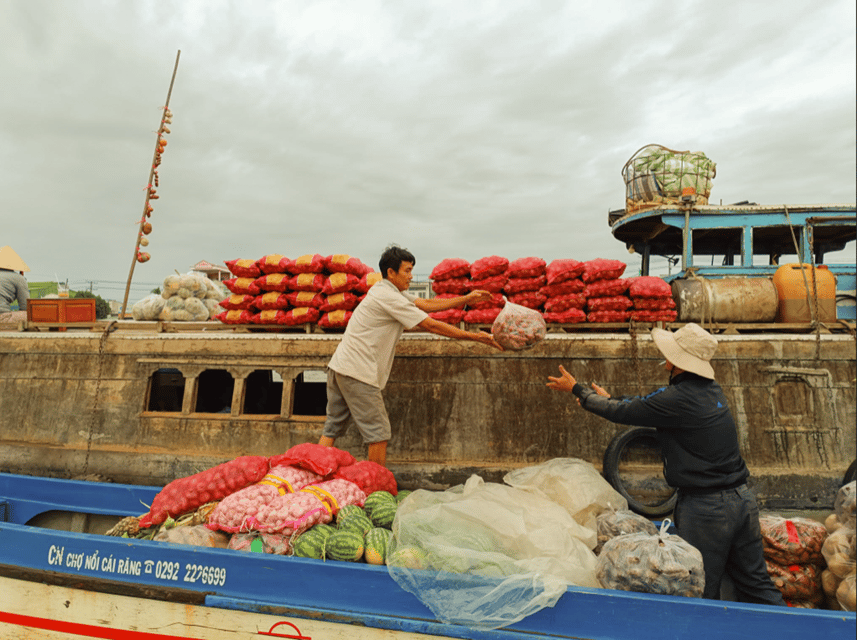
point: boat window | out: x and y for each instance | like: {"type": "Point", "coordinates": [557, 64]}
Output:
{"type": "Point", "coordinates": [723, 245]}
{"type": "Point", "coordinates": [310, 393]}
{"type": "Point", "coordinates": [263, 392]}
{"type": "Point", "coordinates": [166, 390]}
{"type": "Point", "coordinates": [771, 243]}
{"type": "Point", "coordinates": [214, 391]}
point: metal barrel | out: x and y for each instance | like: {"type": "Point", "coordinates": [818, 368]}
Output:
{"type": "Point", "coordinates": [725, 300]}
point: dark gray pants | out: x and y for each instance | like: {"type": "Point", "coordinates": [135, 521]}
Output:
{"type": "Point", "coordinates": [724, 526]}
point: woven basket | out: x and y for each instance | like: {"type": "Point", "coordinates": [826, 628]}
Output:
{"type": "Point", "coordinates": [655, 176]}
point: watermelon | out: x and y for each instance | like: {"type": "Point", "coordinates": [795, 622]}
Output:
{"type": "Point", "coordinates": [402, 495]}
{"type": "Point", "coordinates": [377, 540]}
{"type": "Point", "coordinates": [381, 507]}
{"type": "Point", "coordinates": [358, 522]}
{"type": "Point", "coordinates": [310, 544]}
{"type": "Point", "coordinates": [345, 544]}
{"type": "Point", "coordinates": [409, 558]}
{"type": "Point", "coordinates": [348, 510]}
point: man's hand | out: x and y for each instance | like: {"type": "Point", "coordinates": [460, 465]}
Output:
{"type": "Point", "coordinates": [565, 381]}
{"type": "Point", "coordinates": [486, 338]}
{"type": "Point", "coordinates": [600, 391]}
{"type": "Point", "coordinates": [478, 295]}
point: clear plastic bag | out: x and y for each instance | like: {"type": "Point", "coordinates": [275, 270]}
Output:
{"type": "Point", "coordinates": [149, 308]}
{"type": "Point", "coordinates": [619, 522]}
{"type": "Point", "coordinates": [486, 555]}
{"type": "Point", "coordinates": [844, 505]}
{"type": "Point", "coordinates": [517, 328]}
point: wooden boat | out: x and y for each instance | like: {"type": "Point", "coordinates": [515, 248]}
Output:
{"type": "Point", "coordinates": [60, 580]}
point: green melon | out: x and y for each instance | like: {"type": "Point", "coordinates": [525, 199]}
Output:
{"type": "Point", "coordinates": [402, 495]}
{"type": "Point", "coordinates": [381, 508]}
{"type": "Point", "coordinates": [355, 522]}
{"type": "Point", "coordinates": [310, 544]}
{"type": "Point", "coordinates": [377, 541]}
{"type": "Point", "coordinates": [349, 510]}
{"type": "Point", "coordinates": [345, 544]}
{"type": "Point", "coordinates": [409, 558]}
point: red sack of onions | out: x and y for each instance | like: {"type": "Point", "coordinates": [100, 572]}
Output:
{"type": "Point", "coordinates": [310, 263]}
{"type": "Point", "coordinates": [450, 268]}
{"type": "Point", "coordinates": [340, 283]}
{"type": "Point", "coordinates": [569, 316]}
{"type": "Point", "coordinates": [597, 317]}
{"type": "Point", "coordinates": [649, 287]}
{"type": "Point", "coordinates": [492, 284]}
{"type": "Point", "coordinates": [187, 494]}
{"type": "Point", "coordinates": [529, 299]}
{"type": "Point", "coordinates": [305, 299]}
{"type": "Point", "coordinates": [526, 268]}
{"type": "Point", "coordinates": [654, 304]}
{"type": "Point", "coordinates": [563, 288]}
{"type": "Point", "coordinates": [519, 285]}
{"type": "Point", "coordinates": [496, 302]}
{"type": "Point", "coordinates": [236, 316]}
{"type": "Point", "coordinates": [342, 263]}
{"type": "Point", "coordinates": [301, 315]}
{"type": "Point", "coordinates": [517, 327]}
{"type": "Point", "coordinates": [600, 269]}
{"type": "Point", "coordinates": [613, 303]}
{"type": "Point", "coordinates": [273, 263]}
{"type": "Point", "coordinates": [238, 301]}
{"type": "Point", "coordinates": [449, 316]}
{"type": "Point", "coordinates": [246, 286]}
{"type": "Point", "coordinates": [339, 302]}
{"type": "Point", "coordinates": [607, 288]}
{"type": "Point", "coordinates": [273, 282]}
{"type": "Point", "coordinates": [562, 270]}
{"type": "Point", "coordinates": [307, 282]}
{"type": "Point", "coordinates": [369, 476]}
{"type": "Point", "coordinates": [559, 304]}
{"type": "Point", "coordinates": [482, 316]}
{"type": "Point", "coordinates": [367, 281]}
{"type": "Point", "coordinates": [334, 319]}
{"type": "Point", "coordinates": [487, 267]}
{"type": "Point", "coordinates": [271, 300]}
{"type": "Point", "coordinates": [321, 460]}
{"type": "Point", "coordinates": [665, 315]}
{"type": "Point", "coordinates": [270, 316]}
{"type": "Point", "coordinates": [243, 268]}
{"type": "Point", "coordinates": [457, 286]}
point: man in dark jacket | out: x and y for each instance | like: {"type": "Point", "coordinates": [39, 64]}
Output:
{"type": "Point", "coordinates": [715, 511]}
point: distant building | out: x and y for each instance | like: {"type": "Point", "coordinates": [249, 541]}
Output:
{"type": "Point", "coordinates": [421, 289]}
{"type": "Point", "coordinates": [213, 271]}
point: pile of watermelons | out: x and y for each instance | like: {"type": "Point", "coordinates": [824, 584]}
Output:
{"type": "Point", "coordinates": [358, 534]}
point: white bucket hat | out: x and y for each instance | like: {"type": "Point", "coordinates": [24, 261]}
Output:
{"type": "Point", "coordinates": [11, 260]}
{"type": "Point", "coordinates": [690, 348]}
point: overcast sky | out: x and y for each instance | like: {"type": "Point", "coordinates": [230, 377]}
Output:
{"type": "Point", "coordinates": [456, 129]}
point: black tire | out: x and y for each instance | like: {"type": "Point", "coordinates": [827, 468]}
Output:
{"type": "Point", "coordinates": [850, 474]}
{"type": "Point", "coordinates": [612, 458]}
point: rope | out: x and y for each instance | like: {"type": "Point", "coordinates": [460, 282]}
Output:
{"type": "Point", "coordinates": [102, 342]}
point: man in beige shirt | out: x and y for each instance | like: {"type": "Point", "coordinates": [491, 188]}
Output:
{"type": "Point", "coordinates": [361, 364]}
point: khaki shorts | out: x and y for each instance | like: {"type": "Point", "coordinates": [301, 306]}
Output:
{"type": "Point", "coordinates": [350, 398]}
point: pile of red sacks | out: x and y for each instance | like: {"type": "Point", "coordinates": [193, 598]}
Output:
{"type": "Point", "coordinates": [276, 290]}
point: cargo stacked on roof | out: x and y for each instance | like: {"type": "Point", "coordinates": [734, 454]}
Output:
{"type": "Point", "coordinates": [310, 289]}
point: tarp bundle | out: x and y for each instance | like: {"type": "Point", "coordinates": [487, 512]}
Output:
{"type": "Point", "coordinates": [657, 175]}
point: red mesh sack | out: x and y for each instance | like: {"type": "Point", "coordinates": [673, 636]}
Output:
{"type": "Point", "coordinates": [334, 319]}
{"type": "Point", "coordinates": [557, 304]}
{"type": "Point", "coordinates": [519, 285]}
{"type": "Point", "coordinates": [562, 270]}
{"type": "Point", "coordinates": [187, 494]}
{"type": "Point", "coordinates": [449, 316]}
{"type": "Point", "coordinates": [487, 267]}
{"type": "Point", "coordinates": [482, 316]}
{"type": "Point", "coordinates": [270, 316]}
{"type": "Point", "coordinates": [310, 263]}
{"type": "Point", "coordinates": [243, 268]}
{"type": "Point", "coordinates": [613, 303]}
{"type": "Point", "coordinates": [600, 269]}
{"type": "Point", "coordinates": [318, 459]}
{"type": "Point", "coordinates": [653, 304]}
{"type": "Point", "coordinates": [450, 268]}
{"type": "Point", "coordinates": [608, 316]}
{"type": "Point", "coordinates": [339, 302]}
{"type": "Point", "coordinates": [369, 476]}
{"type": "Point", "coordinates": [492, 284]}
{"type": "Point", "coordinates": [271, 300]}
{"type": "Point", "coordinates": [307, 282]}
{"type": "Point", "coordinates": [797, 581]}
{"type": "Point", "coordinates": [305, 299]}
{"type": "Point", "coordinates": [497, 301]}
{"type": "Point", "coordinates": [526, 268]}
{"type": "Point", "coordinates": [367, 281]}
{"type": "Point", "coordinates": [649, 287]}
{"type": "Point", "coordinates": [569, 316]}
{"type": "Point", "coordinates": [273, 282]}
{"type": "Point", "coordinates": [458, 286]}
{"type": "Point", "coordinates": [342, 263]}
{"type": "Point", "coordinates": [793, 540]}
{"type": "Point", "coordinates": [339, 283]}
{"type": "Point", "coordinates": [236, 316]}
{"type": "Point", "coordinates": [563, 288]}
{"type": "Point", "coordinates": [246, 286]}
{"type": "Point", "coordinates": [272, 263]}
{"type": "Point", "coordinates": [238, 301]}
{"type": "Point", "coordinates": [301, 315]}
{"type": "Point", "coordinates": [529, 299]}
{"type": "Point", "coordinates": [665, 315]}
{"type": "Point", "coordinates": [606, 288]}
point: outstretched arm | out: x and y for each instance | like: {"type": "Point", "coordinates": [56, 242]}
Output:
{"type": "Point", "coordinates": [450, 331]}
{"type": "Point", "coordinates": [442, 304]}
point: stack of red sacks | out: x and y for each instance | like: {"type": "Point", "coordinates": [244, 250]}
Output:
{"type": "Point", "coordinates": [652, 298]}
{"type": "Point", "coordinates": [280, 291]}
{"type": "Point", "coordinates": [450, 279]}
{"type": "Point", "coordinates": [605, 291]}
{"type": "Point", "coordinates": [526, 279]}
{"type": "Point", "coordinates": [563, 292]}
{"type": "Point", "coordinates": [487, 274]}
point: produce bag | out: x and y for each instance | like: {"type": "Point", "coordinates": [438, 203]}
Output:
{"type": "Point", "coordinates": [601, 269]}
{"type": "Point", "coordinates": [569, 316]}
{"type": "Point", "coordinates": [846, 594]}
{"type": "Point", "coordinates": [314, 457]}
{"type": "Point", "coordinates": [334, 319]}
{"type": "Point", "coordinates": [658, 174]}
{"type": "Point", "coordinates": [517, 328]}
{"type": "Point", "coordinates": [557, 304]}
{"type": "Point", "coordinates": [526, 268]}
{"type": "Point", "coordinates": [563, 288]}
{"type": "Point", "coordinates": [309, 263]}
{"type": "Point", "coordinates": [495, 302]}
{"type": "Point", "coordinates": [486, 555]}
{"type": "Point", "coordinates": [838, 552]}
{"type": "Point", "coordinates": [646, 563]}
{"type": "Point", "coordinates": [243, 268]}
{"type": "Point", "coordinates": [797, 581]}
{"type": "Point", "coordinates": [844, 505]}
{"type": "Point", "coordinates": [482, 316]}
{"type": "Point", "coordinates": [270, 300]}
{"type": "Point", "coordinates": [665, 315]}
{"type": "Point", "coordinates": [239, 301]}
{"type": "Point", "coordinates": [149, 308]}
{"type": "Point", "coordinates": [271, 263]}
{"type": "Point", "coordinates": [273, 282]}
{"type": "Point", "coordinates": [449, 316]}
{"type": "Point", "coordinates": [307, 282]}
{"type": "Point", "coordinates": [792, 541]}
{"type": "Point", "coordinates": [597, 317]}
{"type": "Point", "coordinates": [450, 268]}
{"type": "Point", "coordinates": [529, 299]}
{"type": "Point", "coordinates": [457, 286]}
{"type": "Point", "coordinates": [198, 535]}
{"type": "Point", "coordinates": [339, 283]}
{"type": "Point", "coordinates": [562, 270]}
{"type": "Point", "coordinates": [606, 288]}
{"type": "Point", "coordinates": [619, 522]}
{"type": "Point", "coordinates": [519, 285]}
{"type": "Point", "coordinates": [488, 266]}
{"type": "Point", "coordinates": [649, 287]}
{"type": "Point", "coordinates": [492, 284]}
{"type": "Point", "coordinates": [343, 263]}
{"type": "Point", "coordinates": [369, 476]}
{"type": "Point", "coordinates": [612, 303]}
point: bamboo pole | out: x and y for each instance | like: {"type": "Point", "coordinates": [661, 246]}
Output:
{"type": "Point", "coordinates": [149, 187]}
